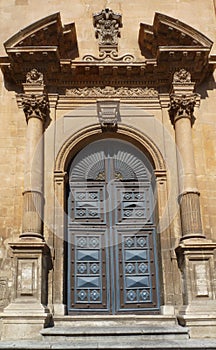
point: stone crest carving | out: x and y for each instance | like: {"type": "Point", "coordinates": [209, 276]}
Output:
{"type": "Point", "coordinates": [182, 76]}
{"type": "Point", "coordinates": [111, 92]}
{"type": "Point", "coordinates": [182, 106]}
{"type": "Point", "coordinates": [35, 106]}
{"type": "Point", "coordinates": [107, 24]}
{"type": "Point", "coordinates": [34, 77]}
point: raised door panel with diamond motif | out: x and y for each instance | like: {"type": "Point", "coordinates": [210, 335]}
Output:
{"type": "Point", "coordinates": [112, 255]}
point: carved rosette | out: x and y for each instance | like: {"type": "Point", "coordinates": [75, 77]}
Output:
{"type": "Point", "coordinates": [35, 106]}
{"type": "Point", "coordinates": [182, 106]}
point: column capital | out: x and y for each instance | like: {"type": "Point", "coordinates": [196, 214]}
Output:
{"type": "Point", "coordinates": [182, 106]}
{"type": "Point", "coordinates": [182, 98]}
{"type": "Point", "coordinates": [35, 106]}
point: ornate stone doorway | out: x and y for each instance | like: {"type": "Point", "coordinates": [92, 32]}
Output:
{"type": "Point", "coordinates": [112, 253]}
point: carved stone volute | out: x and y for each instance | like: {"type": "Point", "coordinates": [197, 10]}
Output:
{"type": "Point", "coordinates": [35, 106]}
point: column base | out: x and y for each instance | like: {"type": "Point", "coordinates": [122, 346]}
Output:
{"type": "Point", "coordinates": [200, 318]}
{"type": "Point", "coordinates": [30, 235]}
{"type": "Point", "coordinates": [24, 320]}
{"type": "Point", "coordinates": [193, 236]}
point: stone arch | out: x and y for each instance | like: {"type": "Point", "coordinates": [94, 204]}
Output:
{"type": "Point", "coordinates": [78, 140]}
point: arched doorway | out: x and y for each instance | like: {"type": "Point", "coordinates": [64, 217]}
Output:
{"type": "Point", "coordinates": [112, 252]}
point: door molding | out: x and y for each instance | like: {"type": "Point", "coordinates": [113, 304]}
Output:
{"type": "Point", "coordinates": [93, 132]}
{"type": "Point", "coordinates": [67, 151]}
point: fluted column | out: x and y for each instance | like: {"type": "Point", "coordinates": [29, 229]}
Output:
{"type": "Point", "coordinates": [183, 100]}
{"type": "Point", "coordinates": [35, 107]}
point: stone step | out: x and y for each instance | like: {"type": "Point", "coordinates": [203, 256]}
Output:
{"type": "Point", "coordinates": [117, 335]}
{"type": "Point", "coordinates": [115, 320]}
{"type": "Point", "coordinates": [190, 344]}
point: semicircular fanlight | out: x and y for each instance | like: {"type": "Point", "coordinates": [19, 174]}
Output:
{"type": "Point", "coordinates": [130, 166]}
{"type": "Point", "coordinates": [89, 167]}
{"type": "Point", "coordinates": [128, 163]}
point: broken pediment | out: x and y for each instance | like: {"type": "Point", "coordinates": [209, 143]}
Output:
{"type": "Point", "coordinates": [52, 49]}
{"type": "Point", "coordinates": [40, 45]}
{"type": "Point", "coordinates": [170, 32]}
{"type": "Point", "coordinates": [172, 41]}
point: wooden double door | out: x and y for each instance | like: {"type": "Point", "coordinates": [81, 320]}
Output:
{"type": "Point", "coordinates": [112, 250]}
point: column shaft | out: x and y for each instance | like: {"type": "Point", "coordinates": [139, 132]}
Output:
{"type": "Point", "coordinates": [181, 114]}
{"type": "Point", "coordinates": [35, 109]}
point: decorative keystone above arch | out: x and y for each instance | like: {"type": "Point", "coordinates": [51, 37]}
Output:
{"type": "Point", "coordinates": [52, 49]}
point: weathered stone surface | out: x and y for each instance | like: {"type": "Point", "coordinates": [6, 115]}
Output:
{"type": "Point", "coordinates": [52, 66]}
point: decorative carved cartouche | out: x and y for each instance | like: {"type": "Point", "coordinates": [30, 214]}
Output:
{"type": "Point", "coordinates": [182, 76]}
{"type": "Point", "coordinates": [107, 24]}
{"type": "Point", "coordinates": [34, 77]}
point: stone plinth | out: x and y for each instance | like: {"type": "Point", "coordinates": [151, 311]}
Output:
{"type": "Point", "coordinates": [27, 314]}
{"type": "Point", "coordinates": [196, 258]}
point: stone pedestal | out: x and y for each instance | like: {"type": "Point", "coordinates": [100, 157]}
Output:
{"type": "Point", "coordinates": [196, 260]}
{"type": "Point", "coordinates": [27, 314]}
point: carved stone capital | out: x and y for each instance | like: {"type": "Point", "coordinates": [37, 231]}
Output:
{"type": "Point", "coordinates": [35, 106]}
{"type": "Point", "coordinates": [182, 106]}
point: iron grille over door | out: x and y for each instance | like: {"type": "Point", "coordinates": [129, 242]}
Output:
{"type": "Point", "coordinates": [112, 255]}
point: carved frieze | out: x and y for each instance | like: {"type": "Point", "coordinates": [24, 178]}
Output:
{"type": "Point", "coordinates": [112, 92]}
{"type": "Point", "coordinates": [36, 106]}
{"type": "Point", "coordinates": [182, 106]}
{"type": "Point", "coordinates": [34, 77]}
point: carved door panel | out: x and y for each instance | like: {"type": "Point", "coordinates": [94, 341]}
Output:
{"type": "Point", "coordinates": [112, 255]}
